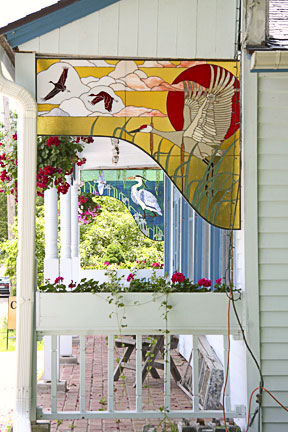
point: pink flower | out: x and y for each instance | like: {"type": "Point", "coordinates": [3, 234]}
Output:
{"type": "Point", "coordinates": [137, 261]}
{"type": "Point", "coordinates": [204, 282]}
{"type": "Point", "coordinates": [130, 277]}
{"type": "Point", "coordinates": [218, 281]}
{"type": "Point", "coordinates": [58, 279]}
{"type": "Point", "coordinates": [155, 265]}
{"type": "Point", "coordinates": [178, 277]}
{"type": "Point", "coordinates": [106, 263]}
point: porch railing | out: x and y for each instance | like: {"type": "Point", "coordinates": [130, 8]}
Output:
{"type": "Point", "coordinates": [87, 314]}
{"type": "Point", "coordinates": [138, 412]}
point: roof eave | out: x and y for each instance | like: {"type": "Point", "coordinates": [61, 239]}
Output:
{"type": "Point", "coordinates": [44, 21]}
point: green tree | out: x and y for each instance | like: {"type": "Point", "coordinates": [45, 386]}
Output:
{"type": "Point", "coordinates": [116, 226]}
{"type": "Point", "coordinates": [9, 248]}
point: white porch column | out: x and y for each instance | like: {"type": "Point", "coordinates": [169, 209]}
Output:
{"type": "Point", "coordinates": [75, 255]}
{"type": "Point", "coordinates": [27, 155]}
{"type": "Point", "coordinates": [66, 257]}
{"type": "Point", "coordinates": [51, 260]}
{"type": "Point", "coordinates": [65, 235]}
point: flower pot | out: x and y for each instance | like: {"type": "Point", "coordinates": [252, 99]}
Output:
{"type": "Point", "coordinates": [191, 313]}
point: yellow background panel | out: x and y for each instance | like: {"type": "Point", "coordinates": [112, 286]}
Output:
{"type": "Point", "coordinates": [43, 64]}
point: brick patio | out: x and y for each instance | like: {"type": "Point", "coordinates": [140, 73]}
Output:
{"type": "Point", "coordinates": [96, 391]}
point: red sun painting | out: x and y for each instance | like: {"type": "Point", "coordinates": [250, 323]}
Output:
{"type": "Point", "coordinates": [200, 74]}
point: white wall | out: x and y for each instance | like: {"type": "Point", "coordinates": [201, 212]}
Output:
{"type": "Point", "coordinates": [147, 28]}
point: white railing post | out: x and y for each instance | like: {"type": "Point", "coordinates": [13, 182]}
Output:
{"type": "Point", "coordinates": [82, 373]}
{"type": "Point", "coordinates": [195, 376]}
{"type": "Point", "coordinates": [167, 372]}
{"type": "Point", "coordinates": [110, 373]}
{"type": "Point", "coordinates": [54, 367]}
{"type": "Point", "coordinates": [227, 403]}
{"type": "Point", "coordinates": [139, 373]}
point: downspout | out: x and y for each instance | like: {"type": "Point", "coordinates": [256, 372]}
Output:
{"type": "Point", "coordinates": [27, 152]}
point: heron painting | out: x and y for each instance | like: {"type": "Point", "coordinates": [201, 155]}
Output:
{"type": "Point", "coordinates": [141, 191]}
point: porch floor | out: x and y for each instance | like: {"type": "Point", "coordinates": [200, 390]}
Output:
{"type": "Point", "coordinates": [96, 391]}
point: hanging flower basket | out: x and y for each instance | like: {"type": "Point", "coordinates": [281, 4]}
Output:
{"type": "Point", "coordinates": [56, 157]}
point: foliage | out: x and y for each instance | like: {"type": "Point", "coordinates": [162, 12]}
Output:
{"type": "Point", "coordinates": [114, 254]}
{"type": "Point", "coordinates": [115, 225]}
{"type": "Point", "coordinates": [115, 285]}
{"type": "Point", "coordinates": [3, 217]}
{"type": "Point", "coordinates": [9, 248]}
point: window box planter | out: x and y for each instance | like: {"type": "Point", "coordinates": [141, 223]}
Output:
{"type": "Point", "coordinates": [87, 313]}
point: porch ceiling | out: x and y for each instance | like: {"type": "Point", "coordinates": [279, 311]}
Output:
{"type": "Point", "coordinates": [99, 155]}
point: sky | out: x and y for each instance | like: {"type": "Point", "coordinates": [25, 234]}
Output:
{"type": "Point", "coordinates": [16, 9]}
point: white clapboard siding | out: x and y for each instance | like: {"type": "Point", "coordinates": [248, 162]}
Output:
{"type": "Point", "coordinates": [148, 28]}
{"type": "Point", "coordinates": [273, 243]}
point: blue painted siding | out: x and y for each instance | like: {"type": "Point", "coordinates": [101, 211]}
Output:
{"type": "Point", "coordinates": [185, 238]}
{"type": "Point", "coordinates": [198, 247]}
{"type": "Point", "coordinates": [167, 224]}
{"type": "Point", "coordinates": [176, 230]}
{"type": "Point", "coordinates": [215, 255]}
{"type": "Point", "coordinates": [59, 18]}
{"type": "Point", "coordinates": [189, 251]}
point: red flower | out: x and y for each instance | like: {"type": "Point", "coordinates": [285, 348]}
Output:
{"type": "Point", "coordinates": [72, 284]}
{"type": "Point", "coordinates": [14, 136]}
{"type": "Point", "coordinates": [81, 161]}
{"type": "Point", "coordinates": [49, 170]}
{"type": "Point", "coordinates": [58, 279]}
{"type": "Point", "coordinates": [130, 277]}
{"type": "Point", "coordinates": [204, 282]}
{"type": "Point", "coordinates": [155, 265]}
{"type": "Point", "coordinates": [107, 263]}
{"type": "Point", "coordinates": [218, 281]}
{"type": "Point", "coordinates": [178, 277]}
{"type": "Point", "coordinates": [53, 141]}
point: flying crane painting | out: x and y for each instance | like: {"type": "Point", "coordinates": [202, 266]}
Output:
{"type": "Point", "coordinates": [184, 114]}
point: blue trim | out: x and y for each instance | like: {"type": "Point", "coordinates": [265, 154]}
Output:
{"type": "Point", "coordinates": [167, 224]}
{"type": "Point", "coordinates": [61, 17]}
{"type": "Point", "coordinates": [198, 247]}
{"type": "Point", "coordinates": [176, 230]}
{"type": "Point", "coordinates": [185, 238]}
{"type": "Point", "coordinates": [215, 255]}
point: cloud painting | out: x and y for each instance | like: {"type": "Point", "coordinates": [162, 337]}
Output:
{"type": "Point", "coordinates": [94, 95]}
